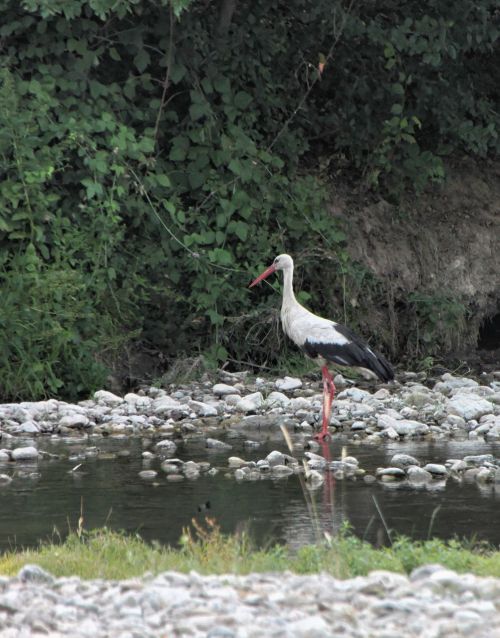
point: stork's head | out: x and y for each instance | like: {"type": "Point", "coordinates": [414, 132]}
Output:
{"type": "Point", "coordinates": [282, 262]}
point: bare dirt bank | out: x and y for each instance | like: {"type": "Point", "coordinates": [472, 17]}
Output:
{"type": "Point", "coordinates": [437, 258]}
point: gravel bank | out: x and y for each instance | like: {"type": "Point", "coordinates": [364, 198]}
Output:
{"type": "Point", "coordinates": [432, 603]}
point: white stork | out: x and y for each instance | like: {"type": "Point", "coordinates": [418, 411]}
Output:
{"type": "Point", "coordinates": [323, 340]}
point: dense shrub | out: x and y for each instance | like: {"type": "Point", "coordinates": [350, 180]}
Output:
{"type": "Point", "coordinates": [152, 158]}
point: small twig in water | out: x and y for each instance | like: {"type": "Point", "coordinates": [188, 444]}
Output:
{"type": "Point", "coordinates": [434, 514]}
{"type": "Point", "coordinates": [387, 530]}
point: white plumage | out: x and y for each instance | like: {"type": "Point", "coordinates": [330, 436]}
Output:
{"type": "Point", "coordinates": [322, 339]}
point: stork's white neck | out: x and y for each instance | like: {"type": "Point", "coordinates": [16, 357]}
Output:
{"type": "Point", "coordinates": [288, 294]}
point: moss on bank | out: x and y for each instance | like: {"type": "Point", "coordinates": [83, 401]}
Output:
{"type": "Point", "coordinates": [108, 554]}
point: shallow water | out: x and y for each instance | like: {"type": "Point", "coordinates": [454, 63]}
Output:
{"type": "Point", "coordinates": [49, 495]}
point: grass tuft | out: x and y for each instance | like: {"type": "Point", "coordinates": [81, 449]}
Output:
{"type": "Point", "coordinates": [108, 554]}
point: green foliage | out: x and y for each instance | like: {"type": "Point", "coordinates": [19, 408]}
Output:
{"type": "Point", "coordinates": [438, 321]}
{"type": "Point", "coordinates": [152, 161]}
{"type": "Point", "coordinates": [103, 553]}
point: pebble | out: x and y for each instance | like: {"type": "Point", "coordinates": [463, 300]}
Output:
{"type": "Point", "coordinates": [217, 445]}
{"type": "Point", "coordinates": [250, 402]}
{"type": "Point", "coordinates": [436, 469]}
{"type": "Point", "coordinates": [148, 474]}
{"type": "Point", "coordinates": [287, 384]}
{"type": "Point", "coordinates": [24, 454]}
{"type": "Point", "coordinates": [432, 601]}
{"type": "Point", "coordinates": [222, 389]}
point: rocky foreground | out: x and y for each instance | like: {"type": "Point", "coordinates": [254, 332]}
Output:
{"type": "Point", "coordinates": [432, 603]}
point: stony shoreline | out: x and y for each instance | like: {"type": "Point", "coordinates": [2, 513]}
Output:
{"type": "Point", "coordinates": [243, 408]}
{"type": "Point", "coordinates": [433, 602]}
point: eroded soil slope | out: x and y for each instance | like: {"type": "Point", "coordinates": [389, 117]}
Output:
{"type": "Point", "coordinates": [435, 254]}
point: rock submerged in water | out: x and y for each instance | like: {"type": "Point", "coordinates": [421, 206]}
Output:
{"type": "Point", "coordinates": [24, 454]}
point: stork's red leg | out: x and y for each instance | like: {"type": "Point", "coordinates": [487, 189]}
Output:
{"type": "Point", "coordinates": [328, 394]}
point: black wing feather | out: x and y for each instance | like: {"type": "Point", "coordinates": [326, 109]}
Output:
{"type": "Point", "coordinates": [355, 353]}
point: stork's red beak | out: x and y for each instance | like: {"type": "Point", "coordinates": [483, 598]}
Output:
{"type": "Point", "coordinates": [265, 274]}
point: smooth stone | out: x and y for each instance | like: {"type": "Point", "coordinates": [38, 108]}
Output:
{"type": "Point", "coordinates": [203, 409]}
{"type": "Point", "coordinates": [222, 389]}
{"type": "Point", "coordinates": [403, 461]}
{"type": "Point", "coordinates": [24, 454]}
{"type": "Point", "coordinates": [74, 421]}
{"type": "Point", "coordinates": [390, 433]}
{"type": "Point", "coordinates": [418, 474]}
{"type": "Point", "coordinates": [170, 468]}
{"type": "Point", "coordinates": [358, 426]}
{"type": "Point", "coordinates": [436, 468]}
{"type": "Point", "coordinates": [275, 458]}
{"type": "Point", "coordinates": [250, 402]}
{"type": "Point", "coordinates": [217, 445]}
{"type": "Point", "coordinates": [314, 479]}
{"type": "Point", "coordinates": [449, 382]}
{"type": "Point", "coordinates": [479, 459]}
{"type": "Point", "coordinates": [457, 465]}
{"type": "Point", "coordinates": [107, 398]}
{"type": "Point", "coordinates": [395, 472]}
{"type": "Point", "coordinates": [148, 474]}
{"type": "Point", "coordinates": [235, 461]}
{"type": "Point", "coordinates": [166, 446]}
{"type": "Point", "coordinates": [485, 475]}
{"type": "Point", "coordinates": [288, 384]}
{"type": "Point", "coordinates": [469, 406]}
{"type": "Point", "coordinates": [355, 394]}
{"type": "Point", "coordinates": [277, 400]}
{"type": "Point", "coordinates": [29, 427]}
{"type": "Point", "coordinates": [35, 574]}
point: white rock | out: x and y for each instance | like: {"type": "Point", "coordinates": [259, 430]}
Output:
{"type": "Point", "coordinates": [107, 398]}
{"type": "Point", "coordinates": [355, 394]}
{"type": "Point", "coordinates": [250, 402]}
{"type": "Point", "coordinates": [390, 433]}
{"type": "Point", "coordinates": [436, 468]}
{"type": "Point", "coordinates": [231, 399]}
{"type": "Point", "coordinates": [203, 409]}
{"type": "Point", "coordinates": [166, 446]}
{"type": "Point", "coordinates": [406, 427]}
{"type": "Point", "coordinates": [395, 472]}
{"type": "Point", "coordinates": [469, 406]}
{"type": "Point", "coordinates": [165, 405]}
{"type": "Point", "coordinates": [148, 474]}
{"type": "Point", "coordinates": [386, 421]}
{"type": "Point", "coordinates": [300, 403]}
{"type": "Point", "coordinates": [222, 389]}
{"type": "Point", "coordinates": [288, 383]}
{"type": "Point", "coordinates": [29, 427]}
{"type": "Point", "coordinates": [277, 400]}
{"type": "Point", "coordinates": [216, 444]}
{"type": "Point", "coordinates": [275, 458]}
{"type": "Point", "coordinates": [74, 421]}
{"type": "Point", "coordinates": [235, 461]}
{"type": "Point", "coordinates": [418, 474]}
{"type": "Point", "coordinates": [449, 383]}
{"type": "Point", "coordinates": [403, 460]}
{"type": "Point", "coordinates": [24, 453]}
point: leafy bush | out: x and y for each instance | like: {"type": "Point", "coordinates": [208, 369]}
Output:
{"type": "Point", "coordinates": [152, 157]}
